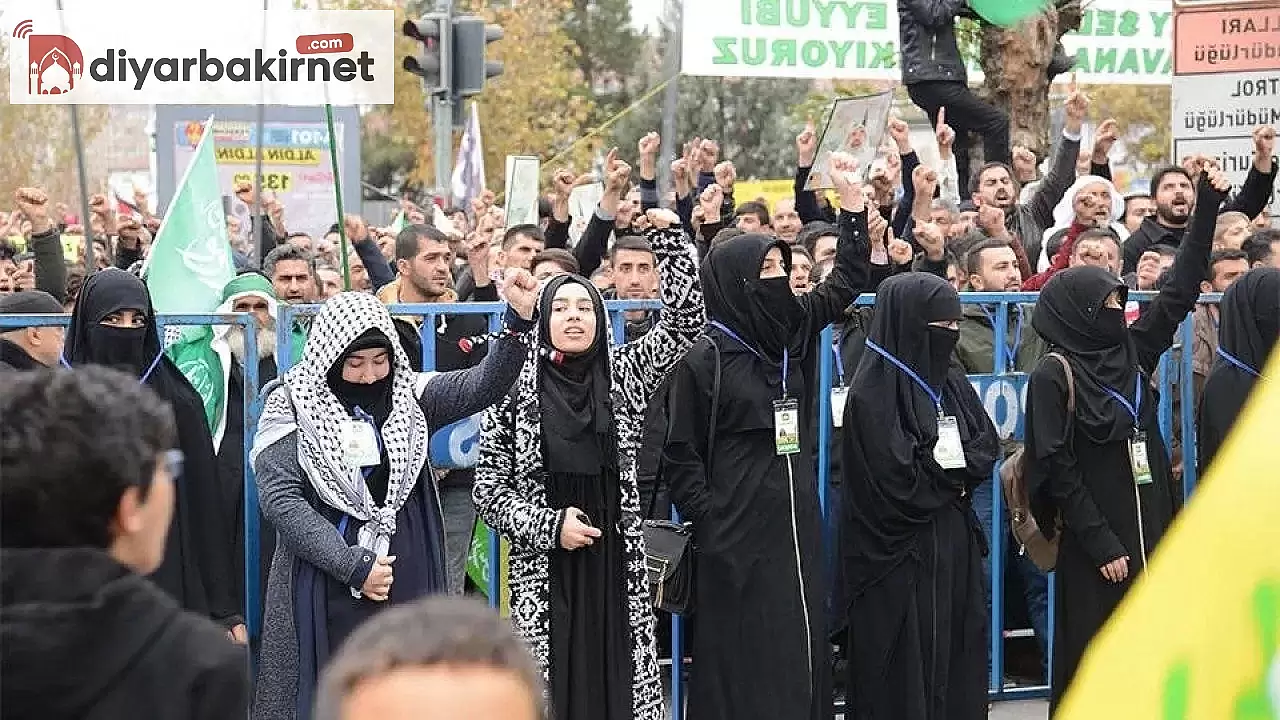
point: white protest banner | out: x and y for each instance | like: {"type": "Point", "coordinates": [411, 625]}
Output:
{"type": "Point", "coordinates": [522, 190]}
{"type": "Point", "coordinates": [158, 52]}
{"type": "Point", "coordinates": [1119, 41]}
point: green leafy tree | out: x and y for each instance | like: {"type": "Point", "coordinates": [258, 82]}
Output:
{"type": "Point", "coordinates": [608, 49]}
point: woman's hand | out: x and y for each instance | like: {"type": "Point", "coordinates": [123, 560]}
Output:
{"type": "Point", "coordinates": [662, 218]}
{"type": "Point", "coordinates": [574, 533]}
{"type": "Point", "coordinates": [521, 291]}
{"type": "Point", "coordinates": [1117, 570]}
{"type": "Point", "coordinates": [377, 586]}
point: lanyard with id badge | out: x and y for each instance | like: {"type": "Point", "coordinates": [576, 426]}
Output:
{"type": "Point", "coordinates": [786, 410]}
{"type": "Point", "coordinates": [1139, 460]}
{"type": "Point", "coordinates": [361, 446]}
{"type": "Point", "coordinates": [948, 451]}
{"type": "Point", "coordinates": [839, 394]}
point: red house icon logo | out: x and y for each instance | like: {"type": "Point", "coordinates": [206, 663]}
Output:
{"type": "Point", "coordinates": [55, 63]}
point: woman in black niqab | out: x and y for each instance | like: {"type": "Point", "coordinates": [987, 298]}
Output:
{"type": "Point", "coordinates": [590, 663]}
{"type": "Point", "coordinates": [1114, 508]}
{"type": "Point", "coordinates": [196, 569]}
{"type": "Point", "coordinates": [911, 543]}
{"type": "Point", "coordinates": [1250, 324]}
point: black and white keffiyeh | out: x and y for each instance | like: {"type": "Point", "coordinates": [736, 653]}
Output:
{"type": "Point", "coordinates": [306, 405]}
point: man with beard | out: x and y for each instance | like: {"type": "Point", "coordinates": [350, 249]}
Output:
{"type": "Point", "coordinates": [1174, 194]}
{"type": "Point", "coordinates": [1263, 249]}
{"type": "Point", "coordinates": [993, 267]}
{"type": "Point", "coordinates": [1091, 204]}
{"type": "Point", "coordinates": [423, 264]}
{"type": "Point", "coordinates": [995, 187]}
{"type": "Point", "coordinates": [249, 292]}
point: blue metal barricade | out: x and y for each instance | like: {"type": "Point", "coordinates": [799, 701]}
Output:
{"type": "Point", "coordinates": [1003, 392]}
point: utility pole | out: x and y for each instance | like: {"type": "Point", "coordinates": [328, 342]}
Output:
{"type": "Point", "coordinates": [442, 111]}
{"type": "Point", "coordinates": [671, 94]}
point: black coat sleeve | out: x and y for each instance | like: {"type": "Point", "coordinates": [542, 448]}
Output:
{"type": "Point", "coordinates": [933, 13]}
{"type": "Point", "coordinates": [685, 456]}
{"type": "Point", "coordinates": [50, 266]}
{"type": "Point", "coordinates": [1255, 193]}
{"type": "Point", "coordinates": [1153, 331]}
{"type": "Point", "coordinates": [850, 275]}
{"type": "Point", "coordinates": [1052, 461]}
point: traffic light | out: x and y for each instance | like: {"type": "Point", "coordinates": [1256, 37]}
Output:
{"type": "Point", "coordinates": [432, 61]}
{"type": "Point", "coordinates": [470, 68]}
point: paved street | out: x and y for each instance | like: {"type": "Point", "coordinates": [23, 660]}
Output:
{"type": "Point", "coordinates": [1021, 710]}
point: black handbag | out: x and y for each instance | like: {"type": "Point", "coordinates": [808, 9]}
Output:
{"type": "Point", "coordinates": [668, 558]}
{"type": "Point", "coordinates": [668, 546]}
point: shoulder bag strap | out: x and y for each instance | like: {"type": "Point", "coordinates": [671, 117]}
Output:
{"type": "Point", "coordinates": [1071, 381]}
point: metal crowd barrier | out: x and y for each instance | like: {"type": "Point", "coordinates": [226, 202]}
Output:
{"type": "Point", "coordinates": [1004, 397]}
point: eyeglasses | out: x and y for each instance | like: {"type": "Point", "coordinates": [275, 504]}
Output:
{"type": "Point", "coordinates": [173, 461]}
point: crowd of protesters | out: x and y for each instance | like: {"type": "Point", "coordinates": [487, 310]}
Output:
{"type": "Point", "coordinates": [708, 405]}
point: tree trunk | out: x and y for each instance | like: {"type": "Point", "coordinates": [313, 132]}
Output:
{"type": "Point", "coordinates": [1016, 63]}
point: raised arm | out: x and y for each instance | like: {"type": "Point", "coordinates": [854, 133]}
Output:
{"type": "Point", "coordinates": [1258, 185]}
{"type": "Point", "coordinates": [851, 273]}
{"type": "Point", "coordinates": [449, 397]}
{"type": "Point", "coordinates": [1154, 330]}
{"type": "Point", "coordinates": [648, 360]}
{"type": "Point", "coordinates": [496, 498]}
{"type": "Point", "coordinates": [1062, 171]}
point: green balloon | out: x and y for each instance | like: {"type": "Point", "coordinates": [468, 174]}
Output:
{"type": "Point", "coordinates": [1008, 12]}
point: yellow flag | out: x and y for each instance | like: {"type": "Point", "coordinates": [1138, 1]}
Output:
{"type": "Point", "coordinates": [1197, 637]}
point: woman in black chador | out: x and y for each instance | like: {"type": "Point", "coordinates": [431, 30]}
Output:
{"type": "Point", "coordinates": [1105, 468]}
{"type": "Point", "coordinates": [1250, 313]}
{"type": "Point", "coordinates": [917, 440]}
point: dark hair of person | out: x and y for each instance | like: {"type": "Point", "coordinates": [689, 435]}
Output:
{"type": "Point", "coordinates": [812, 231]}
{"type": "Point", "coordinates": [7, 250]}
{"type": "Point", "coordinates": [287, 252]}
{"type": "Point", "coordinates": [973, 258]}
{"type": "Point", "coordinates": [634, 243]}
{"type": "Point", "coordinates": [1260, 246]}
{"type": "Point", "coordinates": [976, 181]}
{"type": "Point", "coordinates": [1228, 255]}
{"type": "Point", "coordinates": [530, 231]}
{"type": "Point", "coordinates": [1164, 172]}
{"type": "Point", "coordinates": [293, 235]}
{"type": "Point", "coordinates": [561, 257]}
{"type": "Point", "coordinates": [1164, 250]}
{"type": "Point", "coordinates": [751, 207]}
{"type": "Point", "coordinates": [410, 238]}
{"type": "Point", "coordinates": [799, 249]}
{"type": "Point", "coordinates": [71, 443]}
{"type": "Point", "coordinates": [446, 632]}
{"type": "Point", "coordinates": [726, 234]}
{"type": "Point", "coordinates": [1098, 234]}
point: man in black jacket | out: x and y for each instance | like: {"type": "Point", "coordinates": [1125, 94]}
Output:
{"type": "Point", "coordinates": [934, 73]}
{"type": "Point", "coordinates": [88, 494]}
{"type": "Point", "coordinates": [1174, 193]}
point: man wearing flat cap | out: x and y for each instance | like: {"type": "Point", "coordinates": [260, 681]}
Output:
{"type": "Point", "coordinates": [29, 348]}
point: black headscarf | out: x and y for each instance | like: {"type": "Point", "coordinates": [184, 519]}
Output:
{"type": "Point", "coordinates": [373, 398]}
{"type": "Point", "coordinates": [893, 484]}
{"type": "Point", "coordinates": [574, 392]}
{"type": "Point", "coordinates": [763, 313]}
{"type": "Point", "coordinates": [1071, 317]}
{"type": "Point", "coordinates": [130, 350]}
{"type": "Point", "coordinates": [1250, 324]}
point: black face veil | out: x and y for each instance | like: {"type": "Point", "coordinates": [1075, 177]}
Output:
{"type": "Point", "coordinates": [764, 313]}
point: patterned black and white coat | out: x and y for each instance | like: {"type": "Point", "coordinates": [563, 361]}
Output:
{"type": "Point", "coordinates": [510, 487]}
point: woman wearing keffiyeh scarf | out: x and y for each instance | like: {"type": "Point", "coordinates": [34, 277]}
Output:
{"type": "Point", "coordinates": [343, 476]}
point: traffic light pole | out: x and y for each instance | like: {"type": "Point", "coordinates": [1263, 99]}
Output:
{"type": "Point", "coordinates": [442, 109]}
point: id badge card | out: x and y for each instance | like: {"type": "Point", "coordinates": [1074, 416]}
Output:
{"type": "Point", "coordinates": [1139, 460]}
{"type": "Point", "coordinates": [786, 426]}
{"type": "Point", "coordinates": [948, 451]}
{"type": "Point", "coordinates": [839, 398]}
{"type": "Point", "coordinates": [360, 444]}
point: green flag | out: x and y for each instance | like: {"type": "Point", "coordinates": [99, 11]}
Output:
{"type": "Point", "coordinates": [1007, 13]}
{"type": "Point", "coordinates": [478, 565]}
{"type": "Point", "coordinates": [399, 223]}
{"type": "Point", "coordinates": [189, 264]}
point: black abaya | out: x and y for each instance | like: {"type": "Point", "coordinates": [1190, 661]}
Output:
{"type": "Point", "coordinates": [911, 545]}
{"type": "Point", "coordinates": [1250, 313]}
{"type": "Point", "coordinates": [590, 649]}
{"type": "Point", "coordinates": [197, 568]}
{"type": "Point", "coordinates": [759, 640]}
{"type": "Point", "coordinates": [1080, 465]}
